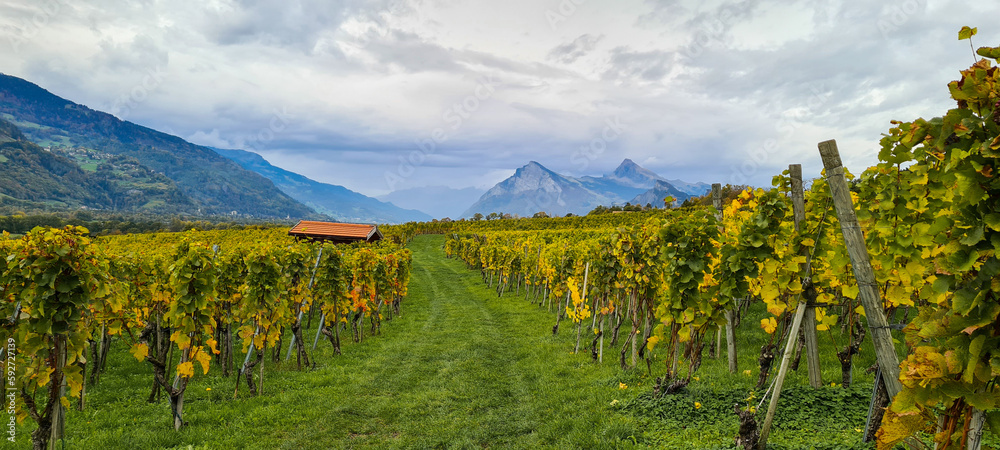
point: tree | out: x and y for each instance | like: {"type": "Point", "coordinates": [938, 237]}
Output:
{"type": "Point", "coordinates": [544, 215]}
{"type": "Point", "coordinates": [477, 217]}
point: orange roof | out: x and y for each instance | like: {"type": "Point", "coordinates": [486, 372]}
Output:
{"type": "Point", "coordinates": [336, 231]}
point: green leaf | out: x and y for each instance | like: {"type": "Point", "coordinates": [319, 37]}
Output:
{"type": "Point", "coordinates": [993, 421]}
{"type": "Point", "coordinates": [973, 237]}
{"type": "Point", "coordinates": [989, 52]}
{"type": "Point", "coordinates": [964, 300]}
{"type": "Point", "coordinates": [967, 33]}
{"type": "Point", "coordinates": [992, 220]}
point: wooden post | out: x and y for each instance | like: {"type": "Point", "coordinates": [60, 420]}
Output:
{"type": "Point", "coordinates": [780, 380]}
{"type": "Point", "coordinates": [878, 327]}
{"type": "Point", "coordinates": [798, 208]}
{"type": "Point", "coordinates": [809, 321]}
{"type": "Point", "coordinates": [579, 325]}
{"type": "Point", "coordinates": [600, 349]}
{"type": "Point", "coordinates": [975, 440]}
{"type": "Point", "coordinates": [59, 411]}
{"type": "Point", "coordinates": [729, 313]}
{"type": "Point", "coordinates": [299, 320]}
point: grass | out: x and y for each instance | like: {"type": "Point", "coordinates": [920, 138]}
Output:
{"type": "Point", "coordinates": [461, 369]}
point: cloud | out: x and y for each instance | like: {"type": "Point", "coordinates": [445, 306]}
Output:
{"type": "Point", "coordinates": [569, 52]}
{"type": "Point", "coordinates": [627, 65]}
{"type": "Point", "coordinates": [707, 91]}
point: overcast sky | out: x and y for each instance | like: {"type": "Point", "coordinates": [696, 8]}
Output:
{"type": "Point", "coordinates": [385, 95]}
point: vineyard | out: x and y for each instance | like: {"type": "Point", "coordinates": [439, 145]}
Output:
{"type": "Point", "coordinates": [875, 296]}
{"type": "Point", "coordinates": [923, 249]}
{"type": "Point", "coordinates": [180, 302]}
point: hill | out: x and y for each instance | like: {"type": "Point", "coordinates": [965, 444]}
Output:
{"type": "Point", "coordinates": [37, 179]}
{"type": "Point", "coordinates": [212, 184]}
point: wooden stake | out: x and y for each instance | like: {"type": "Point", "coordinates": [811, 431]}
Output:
{"type": "Point", "coordinates": [798, 208]}
{"type": "Point", "coordinates": [975, 440]}
{"type": "Point", "coordinates": [58, 426]}
{"type": "Point", "coordinates": [780, 380]}
{"type": "Point", "coordinates": [809, 320]}
{"type": "Point", "coordinates": [730, 315]}
{"type": "Point", "coordinates": [299, 319]}
{"type": "Point", "coordinates": [878, 327]}
{"type": "Point", "coordinates": [579, 325]}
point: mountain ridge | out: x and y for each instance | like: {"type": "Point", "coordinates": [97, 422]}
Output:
{"type": "Point", "coordinates": [215, 185]}
{"type": "Point", "coordinates": [534, 188]}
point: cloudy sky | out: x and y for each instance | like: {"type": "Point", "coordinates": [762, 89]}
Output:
{"type": "Point", "coordinates": [383, 95]}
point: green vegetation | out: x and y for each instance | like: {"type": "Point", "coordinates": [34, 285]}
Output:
{"type": "Point", "coordinates": [460, 368]}
{"type": "Point", "coordinates": [104, 224]}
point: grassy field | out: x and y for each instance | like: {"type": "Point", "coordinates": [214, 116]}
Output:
{"type": "Point", "coordinates": [462, 368]}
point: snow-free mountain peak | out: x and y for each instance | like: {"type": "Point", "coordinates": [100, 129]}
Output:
{"type": "Point", "coordinates": [534, 188]}
{"type": "Point", "coordinates": [628, 172]}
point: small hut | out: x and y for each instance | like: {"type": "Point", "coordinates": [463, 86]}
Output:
{"type": "Point", "coordinates": [336, 233]}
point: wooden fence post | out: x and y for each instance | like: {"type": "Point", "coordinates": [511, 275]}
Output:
{"type": "Point", "coordinates": [809, 321]}
{"type": "Point", "coordinates": [798, 208]}
{"type": "Point", "coordinates": [730, 314]}
{"type": "Point", "coordinates": [868, 293]}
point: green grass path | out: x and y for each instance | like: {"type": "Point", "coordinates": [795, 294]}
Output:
{"type": "Point", "coordinates": [463, 369]}
{"type": "Point", "coordinates": [459, 369]}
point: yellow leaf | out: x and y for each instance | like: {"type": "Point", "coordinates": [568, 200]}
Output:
{"type": "Point", "coordinates": [895, 428]}
{"type": "Point", "coordinates": [851, 291]}
{"type": "Point", "coordinates": [203, 358]}
{"type": "Point", "coordinates": [212, 343]}
{"type": "Point", "coordinates": [140, 351]}
{"type": "Point", "coordinates": [897, 296]}
{"type": "Point", "coordinates": [44, 376]}
{"type": "Point", "coordinates": [651, 342]}
{"type": "Point", "coordinates": [185, 369]}
{"type": "Point", "coordinates": [74, 379]}
{"type": "Point", "coordinates": [769, 325]}
{"type": "Point", "coordinates": [769, 292]}
{"type": "Point", "coordinates": [182, 339]}
{"type": "Point", "coordinates": [860, 310]}
{"type": "Point", "coordinates": [775, 308]}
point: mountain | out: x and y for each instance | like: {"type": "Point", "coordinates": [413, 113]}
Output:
{"type": "Point", "coordinates": [37, 179]}
{"type": "Point", "coordinates": [658, 193]}
{"type": "Point", "coordinates": [691, 189]}
{"type": "Point", "coordinates": [34, 178]}
{"type": "Point", "coordinates": [629, 173]}
{"type": "Point", "coordinates": [208, 183]}
{"type": "Point", "coordinates": [335, 201]}
{"type": "Point", "coordinates": [534, 188]}
{"type": "Point", "coordinates": [438, 201]}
